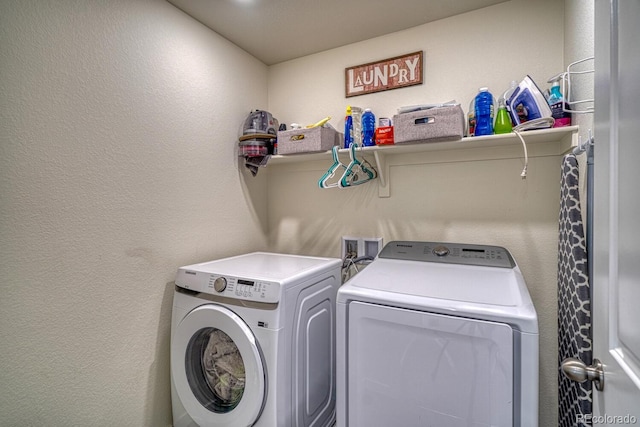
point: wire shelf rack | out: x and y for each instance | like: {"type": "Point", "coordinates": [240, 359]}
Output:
{"type": "Point", "coordinates": [574, 75]}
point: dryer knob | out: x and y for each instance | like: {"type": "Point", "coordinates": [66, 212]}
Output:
{"type": "Point", "coordinates": [220, 284]}
{"type": "Point", "coordinates": [441, 250]}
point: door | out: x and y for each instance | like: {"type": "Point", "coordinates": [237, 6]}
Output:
{"type": "Point", "coordinates": [217, 368]}
{"type": "Point", "coordinates": [616, 281]}
{"type": "Point", "coordinates": [412, 368]}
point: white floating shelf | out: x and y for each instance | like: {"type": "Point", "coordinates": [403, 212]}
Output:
{"type": "Point", "coordinates": [544, 142]}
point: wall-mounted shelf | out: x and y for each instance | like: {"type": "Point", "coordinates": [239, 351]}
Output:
{"type": "Point", "coordinates": [544, 142]}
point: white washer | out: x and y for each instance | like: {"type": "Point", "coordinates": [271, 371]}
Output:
{"type": "Point", "coordinates": [437, 334]}
{"type": "Point", "coordinates": [253, 342]}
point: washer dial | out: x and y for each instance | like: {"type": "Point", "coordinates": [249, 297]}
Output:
{"type": "Point", "coordinates": [441, 250]}
{"type": "Point", "coordinates": [220, 284]}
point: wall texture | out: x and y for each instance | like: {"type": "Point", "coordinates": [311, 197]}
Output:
{"type": "Point", "coordinates": [449, 199]}
{"type": "Point", "coordinates": [579, 33]}
{"type": "Point", "coordinates": [117, 165]}
{"type": "Point", "coordinates": [579, 44]}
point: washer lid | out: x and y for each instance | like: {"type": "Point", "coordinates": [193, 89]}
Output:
{"type": "Point", "coordinates": [463, 283]}
{"type": "Point", "coordinates": [490, 293]}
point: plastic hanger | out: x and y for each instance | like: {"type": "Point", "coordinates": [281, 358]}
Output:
{"type": "Point", "coordinates": [324, 181]}
{"type": "Point", "coordinates": [356, 172]}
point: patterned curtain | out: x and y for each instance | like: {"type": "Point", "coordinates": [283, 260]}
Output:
{"type": "Point", "coordinates": [574, 299]}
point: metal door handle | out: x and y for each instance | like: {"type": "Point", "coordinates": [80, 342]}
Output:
{"type": "Point", "coordinates": [577, 371]}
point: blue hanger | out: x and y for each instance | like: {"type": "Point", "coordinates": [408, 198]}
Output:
{"type": "Point", "coordinates": [356, 172]}
{"type": "Point", "coordinates": [323, 182]}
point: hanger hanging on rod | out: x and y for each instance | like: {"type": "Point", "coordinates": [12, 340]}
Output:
{"type": "Point", "coordinates": [357, 172]}
{"type": "Point", "coordinates": [323, 182]}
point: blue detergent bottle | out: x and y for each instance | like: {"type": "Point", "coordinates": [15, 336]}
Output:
{"type": "Point", "coordinates": [368, 128]}
{"type": "Point", "coordinates": [484, 111]}
{"type": "Point", "coordinates": [348, 128]}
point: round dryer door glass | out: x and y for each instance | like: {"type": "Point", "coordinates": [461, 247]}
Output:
{"type": "Point", "coordinates": [215, 370]}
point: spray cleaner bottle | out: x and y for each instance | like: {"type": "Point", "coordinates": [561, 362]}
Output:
{"type": "Point", "coordinates": [503, 120]}
{"type": "Point", "coordinates": [558, 105]}
{"type": "Point", "coordinates": [348, 128]}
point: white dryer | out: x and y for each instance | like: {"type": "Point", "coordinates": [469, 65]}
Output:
{"type": "Point", "coordinates": [437, 334]}
{"type": "Point", "coordinates": [253, 342]}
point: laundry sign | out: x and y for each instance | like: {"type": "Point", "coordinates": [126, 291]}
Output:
{"type": "Point", "coordinates": [387, 74]}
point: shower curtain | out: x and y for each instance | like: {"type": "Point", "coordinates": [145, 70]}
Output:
{"type": "Point", "coordinates": [574, 299]}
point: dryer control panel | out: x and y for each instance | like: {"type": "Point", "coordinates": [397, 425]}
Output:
{"type": "Point", "coordinates": [449, 253]}
{"type": "Point", "coordinates": [229, 286]}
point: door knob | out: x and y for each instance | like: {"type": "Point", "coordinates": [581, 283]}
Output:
{"type": "Point", "coordinates": [577, 371]}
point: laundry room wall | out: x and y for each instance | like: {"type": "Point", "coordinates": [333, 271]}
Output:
{"type": "Point", "coordinates": [448, 199]}
{"type": "Point", "coordinates": [579, 44]}
{"type": "Point", "coordinates": [117, 165]}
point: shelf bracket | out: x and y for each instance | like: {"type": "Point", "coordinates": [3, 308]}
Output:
{"type": "Point", "coordinates": [383, 174]}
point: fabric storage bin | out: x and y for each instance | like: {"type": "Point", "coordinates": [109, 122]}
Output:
{"type": "Point", "coordinates": [310, 140]}
{"type": "Point", "coordinates": [432, 125]}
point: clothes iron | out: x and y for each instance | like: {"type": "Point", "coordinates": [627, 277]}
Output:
{"type": "Point", "coordinates": [527, 103]}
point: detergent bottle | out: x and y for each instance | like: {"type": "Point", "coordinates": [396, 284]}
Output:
{"type": "Point", "coordinates": [503, 120]}
{"type": "Point", "coordinates": [368, 128]}
{"type": "Point", "coordinates": [471, 119]}
{"type": "Point", "coordinates": [484, 112]}
{"type": "Point", "coordinates": [348, 128]}
{"type": "Point", "coordinates": [558, 105]}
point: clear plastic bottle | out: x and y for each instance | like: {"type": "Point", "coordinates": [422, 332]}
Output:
{"type": "Point", "coordinates": [484, 112]}
{"type": "Point", "coordinates": [356, 114]}
{"type": "Point", "coordinates": [506, 96]}
{"type": "Point", "coordinates": [471, 119]}
{"type": "Point", "coordinates": [368, 128]}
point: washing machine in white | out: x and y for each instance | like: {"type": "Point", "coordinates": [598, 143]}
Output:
{"type": "Point", "coordinates": [437, 334]}
{"type": "Point", "coordinates": [253, 342]}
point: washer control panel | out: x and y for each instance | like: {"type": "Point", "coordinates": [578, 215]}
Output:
{"type": "Point", "coordinates": [449, 253]}
{"type": "Point", "coordinates": [239, 288]}
{"type": "Point", "coordinates": [229, 286]}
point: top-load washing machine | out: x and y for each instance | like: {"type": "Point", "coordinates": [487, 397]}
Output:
{"type": "Point", "coordinates": [253, 342]}
{"type": "Point", "coordinates": [437, 334]}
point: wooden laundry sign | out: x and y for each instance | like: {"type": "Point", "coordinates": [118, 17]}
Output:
{"type": "Point", "coordinates": [387, 74]}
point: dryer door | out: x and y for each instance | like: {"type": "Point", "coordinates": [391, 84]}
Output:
{"type": "Point", "coordinates": [218, 369]}
{"type": "Point", "coordinates": [413, 368]}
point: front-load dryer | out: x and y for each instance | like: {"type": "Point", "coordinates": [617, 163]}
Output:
{"type": "Point", "coordinates": [437, 334]}
{"type": "Point", "coordinates": [253, 342]}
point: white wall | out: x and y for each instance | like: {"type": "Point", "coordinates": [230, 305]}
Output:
{"type": "Point", "coordinates": [579, 44]}
{"type": "Point", "coordinates": [117, 165]}
{"type": "Point", "coordinates": [579, 33]}
{"type": "Point", "coordinates": [489, 47]}
{"type": "Point", "coordinates": [449, 200]}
